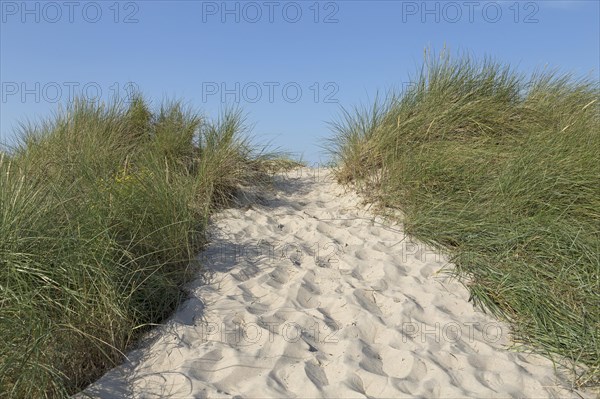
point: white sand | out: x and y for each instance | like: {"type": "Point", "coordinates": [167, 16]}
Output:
{"type": "Point", "coordinates": [323, 300]}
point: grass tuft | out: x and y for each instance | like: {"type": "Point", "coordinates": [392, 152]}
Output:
{"type": "Point", "coordinates": [501, 172]}
{"type": "Point", "coordinates": [103, 210]}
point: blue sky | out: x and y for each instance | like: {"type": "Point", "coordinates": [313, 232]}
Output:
{"type": "Point", "coordinates": [289, 65]}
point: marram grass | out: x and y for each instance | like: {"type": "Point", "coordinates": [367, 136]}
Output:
{"type": "Point", "coordinates": [501, 171]}
{"type": "Point", "coordinates": [102, 211]}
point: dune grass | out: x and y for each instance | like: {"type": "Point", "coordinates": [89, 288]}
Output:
{"type": "Point", "coordinates": [501, 172]}
{"type": "Point", "coordinates": [102, 211]}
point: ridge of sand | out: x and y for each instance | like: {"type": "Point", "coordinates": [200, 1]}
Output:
{"type": "Point", "coordinates": [310, 295]}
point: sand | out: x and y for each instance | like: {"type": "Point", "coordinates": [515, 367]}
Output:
{"type": "Point", "coordinates": [311, 295]}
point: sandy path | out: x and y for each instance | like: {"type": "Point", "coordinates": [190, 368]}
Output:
{"type": "Point", "coordinates": [312, 296]}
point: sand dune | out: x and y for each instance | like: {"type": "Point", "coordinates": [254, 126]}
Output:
{"type": "Point", "coordinates": [311, 295]}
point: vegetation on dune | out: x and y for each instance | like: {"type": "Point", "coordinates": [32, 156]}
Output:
{"type": "Point", "coordinates": [501, 172]}
{"type": "Point", "coordinates": [103, 209]}
{"type": "Point", "coordinates": [102, 212]}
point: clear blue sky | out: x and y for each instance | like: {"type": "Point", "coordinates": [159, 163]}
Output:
{"type": "Point", "coordinates": [260, 53]}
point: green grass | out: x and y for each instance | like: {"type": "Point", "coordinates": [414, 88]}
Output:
{"type": "Point", "coordinates": [501, 172]}
{"type": "Point", "coordinates": [102, 212]}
